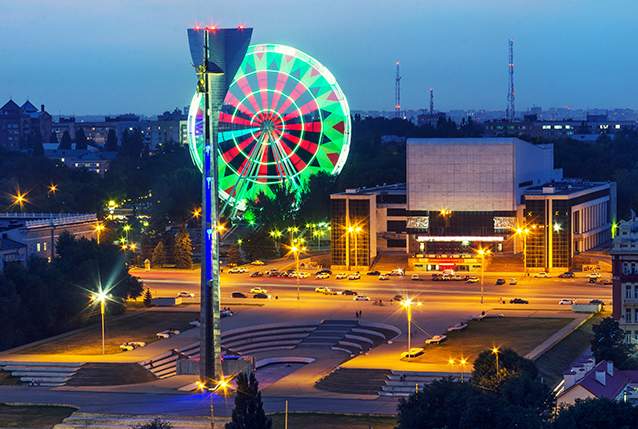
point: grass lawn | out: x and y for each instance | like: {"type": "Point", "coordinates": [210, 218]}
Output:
{"type": "Point", "coordinates": [140, 327]}
{"type": "Point", "coordinates": [555, 361]}
{"type": "Point", "coordinates": [332, 421]}
{"type": "Point", "coordinates": [522, 334]}
{"type": "Point", "coordinates": [32, 417]}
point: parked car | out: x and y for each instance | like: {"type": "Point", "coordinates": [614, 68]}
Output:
{"type": "Point", "coordinates": [607, 282]}
{"type": "Point", "coordinates": [257, 274]}
{"type": "Point", "coordinates": [361, 298]}
{"type": "Point", "coordinates": [348, 292]}
{"type": "Point", "coordinates": [412, 353]}
{"type": "Point", "coordinates": [397, 272]}
{"type": "Point", "coordinates": [325, 270]}
{"type": "Point", "coordinates": [258, 289]}
{"type": "Point", "coordinates": [567, 275]}
{"type": "Point", "coordinates": [185, 294]}
{"type": "Point", "coordinates": [597, 302]}
{"type": "Point", "coordinates": [542, 275]}
{"type": "Point", "coordinates": [397, 298]}
{"type": "Point", "coordinates": [458, 327]}
{"type": "Point", "coordinates": [354, 276]}
{"type": "Point", "coordinates": [566, 301]}
{"type": "Point", "coordinates": [321, 276]}
{"type": "Point", "coordinates": [373, 273]}
{"type": "Point", "coordinates": [341, 276]}
{"type": "Point", "coordinates": [595, 274]}
{"type": "Point", "coordinates": [226, 312]}
{"type": "Point", "coordinates": [472, 279]}
{"type": "Point", "coordinates": [167, 333]}
{"type": "Point", "coordinates": [261, 296]}
{"type": "Point", "coordinates": [513, 282]}
{"type": "Point", "coordinates": [131, 345]}
{"type": "Point", "coordinates": [195, 323]}
{"type": "Point", "coordinates": [384, 277]}
{"type": "Point", "coordinates": [500, 282]}
{"type": "Point", "coordinates": [237, 270]}
{"type": "Point", "coordinates": [325, 290]}
{"type": "Point", "coordinates": [593, 280]}
{"type": "Point", "coordinates": [436, 339]}
{"type": "Point", "coordinates": [436, 277]}
{"type": "Point", "coordinates": [519, 301]}
{"type": "Point", "coordinates": [257, 262]}
{"type": "Point", "coordinates": [415, 277]}
{"type": "Point", "coordinates": [238, 295]}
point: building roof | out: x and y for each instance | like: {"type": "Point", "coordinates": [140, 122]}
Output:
{"type": "Point", "coordinates": [10, 220]}
{"type": "Point", "coordinates": [565, 187]}
{"type": "Point", "coordinates": [395, 188]}
{"type": "Point", "coordinates": [614, 384]}
{"type": "Point", "coordinates": [468, 140]}
{"type": "Point", "coordinates": [6, 244]}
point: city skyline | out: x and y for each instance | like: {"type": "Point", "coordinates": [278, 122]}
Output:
{"type": "Point", "coordinates": [109, 59]}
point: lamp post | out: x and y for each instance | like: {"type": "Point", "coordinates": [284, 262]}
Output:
{"type": "Point", "coordinates": [524, 232]}
{"type": "Point", "coordinates": [407, 303]}
{"type": "Point", "coordinates": [482, 252]}
{"type": "Point", "coordinates": [100, 298]}
{"type": "Point", "coordinates": [99, 227]}
{"type": "Point", "coordinates": [222, 384]}
{"type": "Point", "coordinates": [296, 249]}
{"type": "Point", "coordinates": [462, 362]}
{"type": "Point", "coordinates": [495, 351]}
{"type": "Point", "coordinates": [127, 229]}
{"type": "Point", "coordinates": [354, 231]}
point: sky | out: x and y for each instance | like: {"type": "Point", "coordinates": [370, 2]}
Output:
{"type": "Point", "coordinates": [116, 56]}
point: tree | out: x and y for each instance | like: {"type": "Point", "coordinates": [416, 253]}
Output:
{"type": "Point", "coordinates": [183, 251]}
{"type": "Point", "coordinates": [53, 138]}
{"type": "Point", "coordinates": [156, 423]}
{"type": "Point", "coordinates": [111, 141]}
{"type": "Point", "coordinates": [35, 143]}
{"type": "Point", "coordinates": [80, 140]}
{"type": "Point", "coordinates": [597, 414]}
{"type": "Point", "coordinates": [249, 408]}
{"type": "Point", "coordinates": [609, 343]}
{"type": "Point", "coordinates": [234, 255]}
{"type": "Point", "coordinates": [158, 259]}
{"type": "Point", "coordinates": [277, 211]}
{"type": "Point", "coordinates": [315, 200]}
{"type": "Point", "coordinates": [511, 364]}
{"type": "Point", "coordinates": [132, 143]}
{"type": "Point", "coordinates": [65, 142]}
{"type": "Point", "coordinates": [148, 298]}
{"type": "Point", "coordinates": [259, 245]}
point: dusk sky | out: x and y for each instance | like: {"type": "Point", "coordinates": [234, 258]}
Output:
{"type": "Point", "coordinates": [115, 56]}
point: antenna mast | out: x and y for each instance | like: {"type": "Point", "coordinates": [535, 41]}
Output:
{"type": "Point", "coordinates": [511, 111]}
{"type": "Point", "coordinates": [431, 101]}
{"type": "Point", "coordinates": [397, 92]}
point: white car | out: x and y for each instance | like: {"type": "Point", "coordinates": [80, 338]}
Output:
{"type": "Point", "coordinates": [361, 298]}
{"type": "Point", "coordinates": [566, 301]}
{"type": "Point", "coordinates": [415, 277]}
{"type": "Point", "coordinates": [384, 277]}
{"type": "Point", "coordinates": [225, 313]}
{"type": "Point", "coordinates": [237, 270]}
{"type": "Point", "coordinates": [257, 262]}
{"type": "Point", "coordinates": [131, 345]}
{"type": "Point", "coordinates": [195, 323]}
{"type": "Point", "coordinates": [303, 275]}
{"type": "Point", "coordinates": [184, 294]}
{"type": "Point", "coordinates": [472, 279]}
{"type": "Point", "coordinates": [542, 275]}
{"type": "Point", "coordinates": [436, 339]}
{"type": "Point", "coordinates": [397, 272]}
{"type": "Point", "coordinates": [341, 276]}
{"type": "Point", "coordinates": [459, 326]}
{"type": "Point", "coordinates": [322, 276]}
{"type": "Point", "coordinates": [167, 333]}
{"type": "Point", "coordinates": [594, 275]}
{"type": "Point", "coordinates": [354, 276]}
{"type": "Point", "coordinates": [412, 353]}
{"type": "Point", "coordinates": [258, 289]}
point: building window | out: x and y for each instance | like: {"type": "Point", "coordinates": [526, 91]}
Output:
{"type": "Point", "coordinates": [627, 315]}
{"type": "Point", "coordinates": [627, 291]}
{"type": "Point", "coordinates": [636, 315]}
{"type": "Point", "coordinates": [44, 246]}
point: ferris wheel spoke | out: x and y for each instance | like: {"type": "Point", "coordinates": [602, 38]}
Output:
{"type": "Point", "coordinates": [242, 107]}
{"type": "Point", "coordinates": [247, 91]}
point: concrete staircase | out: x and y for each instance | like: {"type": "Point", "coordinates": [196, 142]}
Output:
{"type": "Point", "coordinates": [47, 374]}
{"type": "Point", "coordinates": [110, 374]}
{"type": "Point", "coordinates": [79, 420]}
{"type": "Point", "coordinates": [354, 381]}
{"type": "Point", "coordinates": [404, 383]}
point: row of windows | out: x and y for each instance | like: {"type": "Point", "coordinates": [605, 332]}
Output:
{"type": "Point", "coordinates": [629, 268]}
{"type": "Point", "coordinates": [41, 247]}
{"type": "Point", "coordinates": [628, 313]}
{"type": "Point", "coordinates": [628, 290]}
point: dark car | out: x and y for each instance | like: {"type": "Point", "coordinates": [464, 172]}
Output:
{"type": "Point", "coordinates": [238, 295]}
{"type": "Point", "coordinates": [324, 270]}
{"type": "Point", "coordinates": [500, 282]}
{"type": "Point", "coordinates": [593, 280]}
{"type": "Point", "coordinates": [261, 296]}
{"type": "Point", "coordinates": [519, 301]}
{"type": "Point", "coordinates": [567, 275]}
{"type": "Point", "coordinates": [397, 298]}
{"type": "Point", "coordinates": [257, 274]}
{"type": "Point", "coordinates": [596, 301]}
{"type": "Point", "coordinates": [436, 277]}
{"type": "Point", "coordinates": [373, 273]}
{"type": "Point", "coordinates": [349, 292]}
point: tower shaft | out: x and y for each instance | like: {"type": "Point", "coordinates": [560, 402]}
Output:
{"type": "Point", "coordinates": [431, 101]}
{"type": "Point", "coordinates": [397, 92]}
{"type": "Point", "coordinates": [511, 111]}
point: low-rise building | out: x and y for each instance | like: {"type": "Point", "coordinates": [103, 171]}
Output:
{"type": "Point", "coordinates": [624, 263]}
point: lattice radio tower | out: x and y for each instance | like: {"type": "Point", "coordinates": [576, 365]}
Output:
{"type": "Point", "coordinates": [511, 111]}
{"type": "Point", "coordinates": [397, 93]}
{"type": "Point", "coordinates": [431, 101]}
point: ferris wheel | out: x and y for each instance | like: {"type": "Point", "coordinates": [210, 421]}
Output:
{"type": "Point", "coordinates": [284, 119]}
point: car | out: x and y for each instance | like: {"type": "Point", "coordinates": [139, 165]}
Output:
{"type": "Point", "coordinates": [458, 327]}
{"type": "Point", "coordinates": [397, 272]}
{"type": "Point", "coordinates": [167, 333]}
{"type": "Point", "coordinates": [397, 298]}
{"type": "Point", "coordinates": [457, 277]}
{"type": "Point", "coordinates": [257, 262]}
{"type": "Point", "coordinates": [597, 302]}
{"type": "Point", "coordinates": [195, 323]}
{"type": "Point", "coordinates": [185, 294]}
{"type": "Point", "coordinates": [518, 301]}
{"type": "Point", "coordinates": [595, 274]}
{"type": "Point", "coordinates": [415, 277]}
{"type": "Point", "coordinates": [566, 301]}
{"type": "Point", "coordinates": [303, 274]}
{"type": "Point", "coordinates": [258, 289]}
{"type": "Point", "coordinates": [593, 280]}
{"type": "Point", "coordinates": [542, 275]}
{"type": "Point", "coordinates": [321, 276]}
{"type": "Point", "coordinates": [131, 345]}
{"type": "Point", "coordinates": [354, 276]}
{"type": "Point", "coordinates": [324, 270]}
{"type": "Point", "coordinates": [513, 282]}
{"type": "Point", "coordinates": [472, 279]}
{"type": "Point", "coordinates": [226, 312]}
{"type": "Point", "coordinates": [237, 270]}
{"type": "Point", "coordinates": [567, 275]}
{"type": "Point", "coordinates": [412, 353]}
{"type": "Point", "coordinates": [373, 273]}
{"type": "Point", "coordinates": [607, 282]}
{"type": "Point", "coordinates": [500, 282]}
{"type": "Point", "coordinates": [238, 295]}
{"type": "Point", "coordinates": [384, 277]}
{"type": "Point", "coordinates": [261, 296]}
{"type": "Point", "coordinates": [349, 292]}
{"type": "Point", "coordinates": [436, 339]}
{"type": "Point", "coordinates": [257, 274]}
{"type": "Point", "coordinates": [325, 290]}
{"type": "Point", "coordinates": [436, 277]}
{"type": "Point", "coordinates": [361, 298]}
{"type": "Point", "coordinates": [341, 276]}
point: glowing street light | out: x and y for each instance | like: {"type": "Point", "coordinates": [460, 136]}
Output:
{"type": "Point", "coordinates": [19, 199]}
{"type": "Point", "coordinates": [524, 232]}
{"type": "Point", "coordinates": [222, 384]}
{"type": "Point", "coordinates": [220, 228]}
{"type": "Point", "coordinates": [197, 212]}
{"type": "Point", "coordinates": [99, 227]}
{"type": "Point", "coordinates": [296, 250]}
{"type": "Point", "coordinates": [495, 351]}
{"type": "Point", "coordinates": [408, 303]}
{"type": "Point", "coordinates": [462, 362]}
{"type": "Point", "coordinates": [53, 188]}
{"type": "Point", "coordinates": [100, 297]}
{"type": "Point", "coordinates": [127, 229]}
{"type": "Point", "coordinates": [353, 230]}
{"type": "Point", "coordinates": [483, 252]}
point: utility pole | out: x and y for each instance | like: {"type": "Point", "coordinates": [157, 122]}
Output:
{"type": "Point", "coordinates": [431, 101]}
{"type": "Point", "coordinates": [397, 92]}
{"type": "Point", "coordinates": [511, 111]}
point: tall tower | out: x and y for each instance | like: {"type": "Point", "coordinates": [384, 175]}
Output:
{"type": "Point", "coordinates": [397, 92]}
{"type": "Point", "coordinates": [217, 54]}
{"type": "Point", "coordinates": [431, 101]}
{"type": "Point", "coordinates": [511, 111]}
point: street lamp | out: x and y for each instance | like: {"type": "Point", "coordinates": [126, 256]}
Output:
{"type": "Point", "coordinates": [99, 227]}
{"type": "Point", "coordinates": [483, 252]}
{"type": "Point", "coordinates": [495, 351]}
{"type": "Point", "coordinates": [53, 188]}
{"type": "Point", "coordinates": [222, 384]}
{"type": "Point", "coordinates": [355, 230]}
{"type": "Point", "coordinates": [19, 199]}
{"type": "Point", "coordinates": [100, 297]}
{"type": "Point", "coordinates": [296, 249]}
{"type": "Point", "coordinates": [462, 362]}
{"type": "Point", "coordinates": [524, 232]}
{"type": "Point", "coordinates": [197, 212]}
{"type": "Point", "coordinates": [275, 234]}
{"type": "Point", "coordinates": [408, 303]}
{"type": "Point", "coordinates": [127, 229]}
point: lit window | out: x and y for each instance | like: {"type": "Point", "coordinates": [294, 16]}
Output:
{"type": "Point", "coordinates": [617, 126]}
{"type": "Point", "coordinates": [37, 247]}
{"type": "Point", "coordinates": [44, 246]}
